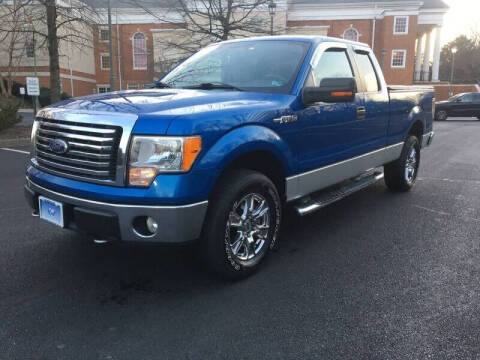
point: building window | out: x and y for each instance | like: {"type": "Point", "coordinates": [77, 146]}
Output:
{"type": "Point", "coordinates": [399, 58]}
{"type": "Point", "coordinates": [351, 34]}
{"type": "Point", "coordinates": [104, 35]}
{"type": "Point", "coordinates": [105, 61]}
{"type": "Point", "coordinates": [29, 49]}
{"type": "Point", "coordinates": [400, 26]}
{"type": "Point", "coordinates": [139, 45]}
{"type": "Point", "coordinates": [103, 89]}
{"type": "Point", "coordinates": [132, 86]}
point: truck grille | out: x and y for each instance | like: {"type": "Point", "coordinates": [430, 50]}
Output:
{"type": "Point", "coordinates": [91, 152]}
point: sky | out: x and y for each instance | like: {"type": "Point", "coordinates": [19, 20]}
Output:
{"type": "Point", "coordinates": [463, 16]}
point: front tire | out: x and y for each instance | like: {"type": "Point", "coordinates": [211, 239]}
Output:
{"type": "Point", "coordinates": [401, 174]}
{"type": "Point", "coordinates": [441, 115]}
{"type": "Point", "coordinates": [242, 224]}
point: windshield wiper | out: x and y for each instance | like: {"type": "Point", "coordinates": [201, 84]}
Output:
{"type": "Point", "coordinates": [211, 86]}
{"type": "Point", "coordinates": [161, 85]}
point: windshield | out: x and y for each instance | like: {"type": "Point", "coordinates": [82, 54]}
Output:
{"type": "Point", "coordinates": [453, 98]}
{"type": "Point", "coordinates": [263, 66]}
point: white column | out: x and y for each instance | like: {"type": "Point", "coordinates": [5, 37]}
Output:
{"type": "Point", "coordinates": [436, 54]}
{"type": "Point", "coordinates": [418, 59]}
{"type": "Point", "coordinates": [426, 57]}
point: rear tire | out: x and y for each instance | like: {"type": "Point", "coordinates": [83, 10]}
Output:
{"type": "Point", "coordinates": [441, 115]}
{"type": "Point", "coordinates": [401, 174]}
{"type": "Point", "coordinates": [242, 223]}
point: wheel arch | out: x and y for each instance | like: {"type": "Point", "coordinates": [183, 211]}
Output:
{"type": "Point", "coordinates": [417, 129]}
{"type": "Point", "coordinates": [250, 147]}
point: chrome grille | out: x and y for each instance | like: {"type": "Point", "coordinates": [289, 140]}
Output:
{"type": "Point", "coordinates": [92, 149]}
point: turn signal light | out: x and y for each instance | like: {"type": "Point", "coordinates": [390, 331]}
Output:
{"type": "Point", "coordinates": [191, 149]}
{"type": "Point", "coordinates": [341, 93]}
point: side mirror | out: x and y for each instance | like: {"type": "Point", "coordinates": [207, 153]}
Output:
{"type": "Point", "coordinates": [331, 90]}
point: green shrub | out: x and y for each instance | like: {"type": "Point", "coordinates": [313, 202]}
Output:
{"type": "Point", "coordinates": [44, 97]}
{"type": "Point", "coordinates": [9, 112]}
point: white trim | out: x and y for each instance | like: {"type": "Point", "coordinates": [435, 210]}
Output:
{"type": "Point", "coordinates": [101, 61]}
{"type": "Point", "coordinates": [395, 32]}
{"type": "Point", "coordinates": [100, 28]}
{"type": "Point", "coordinates": [107, 86]}
{"type": "Point", "coordinates": [47, 73]}
{"type": "Point", "coordinates": [167, 29]}
{"type": "Point", "coordinates": [404, 59]}
{"type": "Point", "coordinates": [352, 11]}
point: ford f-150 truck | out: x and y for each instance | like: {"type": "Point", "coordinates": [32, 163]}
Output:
{"type": "Point", "coordinates": [224, 142]}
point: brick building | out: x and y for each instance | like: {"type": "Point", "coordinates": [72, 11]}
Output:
{"type": "Point", "coordinates": [405, 35]}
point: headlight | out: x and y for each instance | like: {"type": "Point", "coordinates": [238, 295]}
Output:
{"type": "Point", "coordinates": [151, 155]}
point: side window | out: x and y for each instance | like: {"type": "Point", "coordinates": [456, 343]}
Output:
{"type": "Point", "coordinates": [333, 64]}
{"type": "Point", "coordinates": [467, 98]}
{"type": "Point", "coordinates": [367, 72]}
{"type": "Point", "coordinates": [476, 97]}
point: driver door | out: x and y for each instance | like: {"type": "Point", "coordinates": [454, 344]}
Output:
{"type": "Point", "coordinates": [330, 132]}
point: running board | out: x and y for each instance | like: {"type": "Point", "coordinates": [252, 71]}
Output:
{"type": "Point", "coordinates": [324, 198]}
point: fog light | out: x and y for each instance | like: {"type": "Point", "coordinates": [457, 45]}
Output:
{"type": "Point", "coordinates": [152, 225]}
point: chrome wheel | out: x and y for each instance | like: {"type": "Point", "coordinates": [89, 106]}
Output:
{"type": "Point", "coordinates": [248, 226]}
{"type": "Point", "coordinates": [411, 166]}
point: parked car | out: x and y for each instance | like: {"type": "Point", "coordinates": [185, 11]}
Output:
{"type": "Point", "coordinates": [460, 105]}
{"type": "Point", "coordinates": [227, 139]}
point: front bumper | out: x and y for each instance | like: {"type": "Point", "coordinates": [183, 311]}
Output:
{"type": "Point", "coordinates": [106, 221]}
{"type": "Point", "coordinates": [428, 139]}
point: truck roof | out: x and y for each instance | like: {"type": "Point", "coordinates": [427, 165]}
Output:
{"type": "Point", "coordinates": [306, 38]}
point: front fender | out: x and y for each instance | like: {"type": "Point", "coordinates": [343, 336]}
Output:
{"type": "Point", "coordinates": [243, 140]}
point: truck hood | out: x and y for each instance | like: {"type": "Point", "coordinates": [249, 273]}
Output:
{"type": "Point", "coordinates": [157, 108]}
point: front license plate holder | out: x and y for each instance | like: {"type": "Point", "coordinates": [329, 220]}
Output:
{"type": "Point", "coordinates": [51, 211]}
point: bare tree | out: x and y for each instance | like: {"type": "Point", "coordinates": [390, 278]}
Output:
{"type": "Point", "coordinates": [52, 22]}
{"type": "Point", "coordinates": [203, 22]}
{"type": "Point", "coordinates": [12, 44]}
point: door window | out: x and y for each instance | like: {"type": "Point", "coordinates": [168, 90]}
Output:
{"type": "Point", "coordinates": [333, 64]}
{"type": "Point", "coordinates": [467, 98]}
{"type": "Point", "coordinates": [367, 72]}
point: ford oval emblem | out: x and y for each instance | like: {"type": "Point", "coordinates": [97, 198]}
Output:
{"type": "Point", "coordinates": [58, 146]}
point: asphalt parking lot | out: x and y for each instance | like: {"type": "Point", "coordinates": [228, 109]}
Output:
{"type": "Point", "coordinates": [375, 276]}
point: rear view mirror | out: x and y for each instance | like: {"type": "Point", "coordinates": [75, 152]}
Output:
{"type": "Point", "coordinates": [331, 90]}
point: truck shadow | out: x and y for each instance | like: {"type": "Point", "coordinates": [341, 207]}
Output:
{"type": "Point", "coordinates": [120, 273]}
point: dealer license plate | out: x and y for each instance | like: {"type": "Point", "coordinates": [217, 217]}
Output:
{"type": "Point", "coordinates": [51, 211]}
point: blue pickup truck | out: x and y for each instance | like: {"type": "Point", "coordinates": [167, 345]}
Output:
{"type": "Point", "coordinates": [224, 143]}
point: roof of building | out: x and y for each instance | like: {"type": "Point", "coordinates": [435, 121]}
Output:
{"type": "Point", "coordinates": [427, 4]}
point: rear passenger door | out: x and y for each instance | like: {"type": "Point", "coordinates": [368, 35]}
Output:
{"type": "Point", "coordinates": [373, 92]}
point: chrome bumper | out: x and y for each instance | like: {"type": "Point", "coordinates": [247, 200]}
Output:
{"type": "Point", "coordinates": [428, 139]}
{"type": "Point", "coordinates": [176, 224]}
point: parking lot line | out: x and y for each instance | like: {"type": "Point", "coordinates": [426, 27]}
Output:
{"type": "Point", "coordinates": [15, 150]}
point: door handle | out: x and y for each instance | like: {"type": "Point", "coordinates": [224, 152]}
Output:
{"type": "Point", "coordinates": [361, 112]}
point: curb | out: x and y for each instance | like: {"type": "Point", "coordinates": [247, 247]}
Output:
{"type": "Point", "coordinates": [15, 142]}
